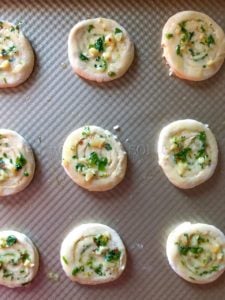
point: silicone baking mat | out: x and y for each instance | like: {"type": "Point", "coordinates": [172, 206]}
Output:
{"type": "Point", "coordinates": [145, 206]}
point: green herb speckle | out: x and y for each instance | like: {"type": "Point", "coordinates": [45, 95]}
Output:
{"type": "Point", "coordinates": [65, 260]}
{"type": "Point", "coordinates": [83, 57]}
{"type": "Point", "coordinates": [113, 255]}
{"type": "Point", "coordinates": [100, 162]}
{"type": "Point", "coordinates": [80, 167]}
{"type": "Point", "coordinates": [11, 240]}
{"type": "Point", "coordinates": [100, 44]}
{"type": "Point", "coordinates": [77, 270]}
{"type": "Point", "coordinates": [101, 240]}
{"type": "Point", "coordinates": [20, 162]}
{"type": "Point", "coordinates": [169, 35]}
{"type": "Point", "coordinates": [111, 74]}
{"type": "Point", "coordinates": [108, 146]}
{"type": "Point", "coordinates": [117, 30]}
{"type": "Point", "coordinates": [178, 50]}
{"type": "Point", "coordinates": [90, 27]}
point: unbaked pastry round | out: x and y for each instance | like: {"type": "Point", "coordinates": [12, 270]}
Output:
{"type": "Point", "coordinates": [19, 259]}
{"type": "Point", "coordinates": [193, 45]}
{"type": "Point", "coordinates": [17, 163]}
{"type": "Point", "coordinates": [93, 254]}
{"type": "Point", "coordinates": [100, 49]}
{"type": "Point", "coordinates": [196, 252]}
{"type": "Point", "coordinates": [16, 55]}
{"type": "Point", "coordinates": [187, 153]}
{"type": "Point", "coordinates": [94, 158]}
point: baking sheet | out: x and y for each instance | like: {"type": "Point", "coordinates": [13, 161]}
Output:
{"type": "Point", "coordinates": [145, 206]}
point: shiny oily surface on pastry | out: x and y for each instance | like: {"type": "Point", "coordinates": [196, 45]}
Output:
{"type": "Point", "coordinates": [100, 49]}
{"type": "Point", "coordinates": [93, 254]}
{"type": "Point", "coordinates": [16, 55]}
{"type": "Point", "coordinates": [17, 163]}
{"type": "Point", "coordinates": [94, 158]}
{"type": "Point", "coordinates": [193, 45]}
{"type": "Point", "coordinates": [187, 153]}
{"type": "Point", "coordinates": [196, 252]}
{"type": "Point", "coordinates": [19, 259]}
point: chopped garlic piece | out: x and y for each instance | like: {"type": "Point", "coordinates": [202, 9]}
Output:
{"type": "Point", "coordinates": [181, 168]}
{"type": "Point", "coordinates": [28, 264]}
{"type": "Point", "coordinates": [89, 174]}
{"type": "Point", "coordinates": [110, 40]}
{"type": "Point", "coordinates": [118, 36]}
{"type": "Point", "coordinates": [93, 52]}
{"type": "Point", "coordinates": [106, 55]}
{"type": "Point", "coordinates": [215, 248]}
{"type": "Point", "coordinates": [97, 142]}
{"type": "Point", "coordinates": [4, 65]}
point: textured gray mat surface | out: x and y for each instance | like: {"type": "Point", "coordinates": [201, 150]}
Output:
{"type": "Point", "coordinates": [145, 206]}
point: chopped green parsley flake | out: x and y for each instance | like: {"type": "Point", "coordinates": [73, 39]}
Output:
{"type": "Point", "coordinates": [202, 28]}
{"type": "Point", "coordinates": [24, 256]}
{"type": "Point", "coordinates": [210, 40]}
{"type": "Point", "coordinates": [20, 162]}
{"type": "Point", "coordinates": [191, 51]}
{"type": "Point", "coordinates": [201, 57]}
{"type": "Point", "coordinates": [102, 63]}
{"type": "Point", "coordinates": [77, 270]}
{"type": "Point", "coordinates": [192, 278]}
{"type": "Point", "coordinates": [213, 269]}
{"type": "Point", "coordinates": [26, 174]}
{"type": "Point", "coordinates": [111, 74]}
{"type": "Point", "coordinates": [65, 260]}
{"type": "Point", "coordinates": [100, 44]}
{"type": "Point", "coordinates": [192, 245]}
{"type": "Point", "coordinates": [98, 270]}
{"type": "Point", "coordinates": [100, 162]}
{"type": "Point", "coordinates": [80, 167]}
{"type": "Point", "coordinates": [178, 50]}
{"type": "Point", "coordinates": [11, 240]}
{"type": "Point", "coordinates": [183, 250]}
{"type": "Point", "coordinates": [113, 255]}
{"type": "Point", "coordinates": [6, 52]}
{"type": "Point", "coordinates": [108, 146]}
{"type": "Point", "coordinates": [90, 27]}
{"type": "Point", "coordinates": [181, 156]}
{"type": "Point", "coordinates": [117, 30]}
{"type": "Point", "coordinates": [7, 273]}
{"type": "Point", "coordinates": [85, 247]}
{"type": "Point", "coordinates": [187, 36]}
{"type": "Point", "coordinates": [17, 27]}
{"type": "Point", "coordinates": [86, 131]}
{"type": "Point", "coordinates": [83, 57]}
{"type": "Point", "coordinates": [101, 240]}
{"type": "Point", "coordinates": [169, 35]}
